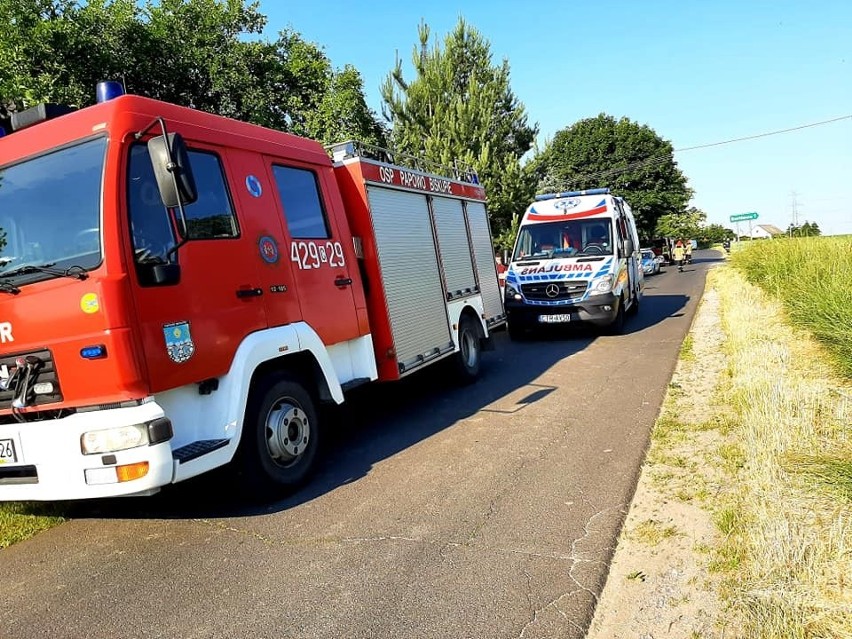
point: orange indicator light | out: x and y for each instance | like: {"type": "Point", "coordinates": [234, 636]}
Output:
{"type": "Point", "coordinates": [131, 471]}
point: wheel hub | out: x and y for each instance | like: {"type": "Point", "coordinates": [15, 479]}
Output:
{"type": "Point", "coordinates": [288, 432]}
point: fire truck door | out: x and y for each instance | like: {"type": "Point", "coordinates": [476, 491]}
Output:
{"type": "Point", "coordinates": [318, 249]}
{"type": "Point", "coordinates": [192, 327]}
{"type": "Point", "coordinates": [274, 287]}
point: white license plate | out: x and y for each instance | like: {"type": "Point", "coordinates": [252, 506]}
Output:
{"type": "Point", "coordinates": [8, 452]}
{"type": "Point", "coordinates": [554, 319]}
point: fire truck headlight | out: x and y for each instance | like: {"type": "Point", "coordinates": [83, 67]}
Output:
{"type": "Point", "coordinates": [111, 440]}
{"type": "Point", "coordinates": [601, 285]}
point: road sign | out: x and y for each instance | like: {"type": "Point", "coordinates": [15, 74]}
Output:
{"type": "Point", "coordinates": [743, 217]}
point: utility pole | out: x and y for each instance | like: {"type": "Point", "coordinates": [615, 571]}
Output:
{"type": "Point", "coordinates": [794, 205]}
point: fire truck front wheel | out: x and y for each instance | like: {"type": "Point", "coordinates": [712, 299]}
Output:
{"type": "Point", "coordinates": [281, 435]}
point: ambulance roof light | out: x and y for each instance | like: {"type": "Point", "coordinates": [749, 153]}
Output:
{"type": "Point", "coordinates": [108, 90]}
{"type": "Point", "coordinates": [551, 196]}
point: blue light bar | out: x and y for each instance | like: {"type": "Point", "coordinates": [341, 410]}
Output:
{"type": "Point", "coordinates": [108, 90]}
{"type": "Point", "coordinates": [551, 196]}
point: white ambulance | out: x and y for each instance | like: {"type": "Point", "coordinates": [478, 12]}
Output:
{"type": "Point", "coordinates": [576, 259]}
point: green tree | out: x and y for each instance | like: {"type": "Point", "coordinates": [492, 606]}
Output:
{"type": "Point", "coordinates": [684, 225]}
{"type": "Point", "coordinates": [629, 158]}
{"type": "Point", "coordinates": [342, 113]}
{"type": "Point", "coordinates": [200, 53]}
{"type": "Point", "coordinates": [808, 229]}
{"type": "Point", "coordinates": [460, 108]}
{"type": "Point", "coordinates": [715, 234]}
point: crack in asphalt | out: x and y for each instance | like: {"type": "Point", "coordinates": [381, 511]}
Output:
{"type": "Point", "coordinates": [576, 560]}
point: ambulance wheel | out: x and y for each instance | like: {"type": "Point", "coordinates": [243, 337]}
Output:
{"type": "Point", "coordinates": [617, 326]}
{"type": "Point", "coordinates": [517, 331]}
{"type": "Point", "coordinates": [634, 307]}
{"type": "Point", "coordinates": [469, 355]}
{"type": "Point", "coordinates": [280, 436]}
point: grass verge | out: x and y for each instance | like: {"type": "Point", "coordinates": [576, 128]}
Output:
{"type": "Point", "coordinates": [787, 523]}
{"type": "Point", "coordinates": [810, 276]}
{"type": "Point", "coordinates": [20, 521]}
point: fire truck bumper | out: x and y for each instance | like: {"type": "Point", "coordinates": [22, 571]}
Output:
{"type": "Point", "coordinates": [600, 310]}
{"type": "Point", "coordinates": [91, 454]}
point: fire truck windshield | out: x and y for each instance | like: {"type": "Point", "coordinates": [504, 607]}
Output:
{"type": "Point", "coordinates": [50, 213]}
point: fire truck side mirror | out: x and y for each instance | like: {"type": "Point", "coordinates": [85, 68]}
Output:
{"type": "Point", "coordinates": [172, 170]}
{"type": "Point", "coordinates": [163, 274]}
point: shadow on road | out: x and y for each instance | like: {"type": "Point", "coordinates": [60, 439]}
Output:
{"type": "Point", "coordinates": [654, 309]}
{"type": "Point", "coordinates": [376, 422]}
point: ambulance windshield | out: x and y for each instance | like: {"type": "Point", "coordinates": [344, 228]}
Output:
{"type": "Point", "coordinates": [50, 212]}
{"type": "Point", "coordinates": [574, 238]}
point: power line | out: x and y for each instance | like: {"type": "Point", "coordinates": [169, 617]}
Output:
{"type": "Point", "coordinates": [659, 159]}
{"type": "Point", "coordinates": [764, 135]}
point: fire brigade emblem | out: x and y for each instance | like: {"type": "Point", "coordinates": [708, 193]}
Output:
{"type": "Point", "coordinates": [268, 249]}
{"type": "Point", "coordinates": [254, 186]}
{"type": "Point", "coordinates": [179, 344]}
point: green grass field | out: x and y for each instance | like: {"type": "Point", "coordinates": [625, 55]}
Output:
{"type": "Point", "coordinates": [19, 521]}
{"type": "Point", "coordinates": [811, 277]}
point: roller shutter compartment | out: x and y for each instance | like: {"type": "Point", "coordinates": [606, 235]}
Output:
{"type": "Point", "coordinates": [486, 269]}
{"type": "Point", "coordinates": [454, 246]}
{"type": "Point", "coordinates": [412, 281]}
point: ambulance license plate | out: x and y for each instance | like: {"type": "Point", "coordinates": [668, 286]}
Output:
{"type": "Point", "coordinates": [555, 319]}
{"type": "Point", "coordinates": [8, 454]}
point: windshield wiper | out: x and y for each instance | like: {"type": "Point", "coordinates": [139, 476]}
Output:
{"type": "Point", "coordinates": [77, 272]}
{"type": "Point", "coordinates": [8, 287]}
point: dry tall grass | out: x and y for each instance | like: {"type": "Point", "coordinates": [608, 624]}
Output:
{"type": "Point", "coordinates": [788, 548]}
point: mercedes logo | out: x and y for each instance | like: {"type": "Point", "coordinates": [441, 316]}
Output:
{"type": "Point", "coordinates": [552, 290]}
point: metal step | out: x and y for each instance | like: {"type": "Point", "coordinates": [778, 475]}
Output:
{"type": "Point", "coordinates": [197, 449]}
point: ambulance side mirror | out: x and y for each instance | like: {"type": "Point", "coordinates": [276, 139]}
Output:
{"type": "Point", "coordinates": [628, 247]}
{"type": "Point", "coordinates": [172, 170]}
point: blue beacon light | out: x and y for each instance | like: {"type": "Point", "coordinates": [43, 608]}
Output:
{"type": "Point", "coordinates": [108, 90]}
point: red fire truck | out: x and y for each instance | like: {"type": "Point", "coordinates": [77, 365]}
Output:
{"type": "Point", "coordinates": [180, 291]}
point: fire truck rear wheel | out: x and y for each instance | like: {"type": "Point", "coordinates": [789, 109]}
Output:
{"type": "Point", "coordinates": [283, 435]}
{"type": "Point", "coordinates": [469, 355]}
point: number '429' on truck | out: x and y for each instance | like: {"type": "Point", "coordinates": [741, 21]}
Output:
{"type": "Point", "coordinates": [180, 291]}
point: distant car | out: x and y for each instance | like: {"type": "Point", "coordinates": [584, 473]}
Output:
{"type": "Point", "coordinates": [650, 263]}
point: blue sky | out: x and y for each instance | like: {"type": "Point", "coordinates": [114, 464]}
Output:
{"type": "Point", "coordinates": [695, 72]}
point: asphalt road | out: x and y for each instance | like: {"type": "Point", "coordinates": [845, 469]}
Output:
{"type": "Point", "coordinates": [485, 512]}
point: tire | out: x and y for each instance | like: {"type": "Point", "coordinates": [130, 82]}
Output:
{"type": "Point", "coordinates": [634, 307]}
{"type": "Point", "coordinates": [281, 436]}
{"type": "Point", "coordinates": [517, 332]}
{"type": "Point", "coordinates": [617, 325]}
{"type": "Point", "coordinates": [469, 356]}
